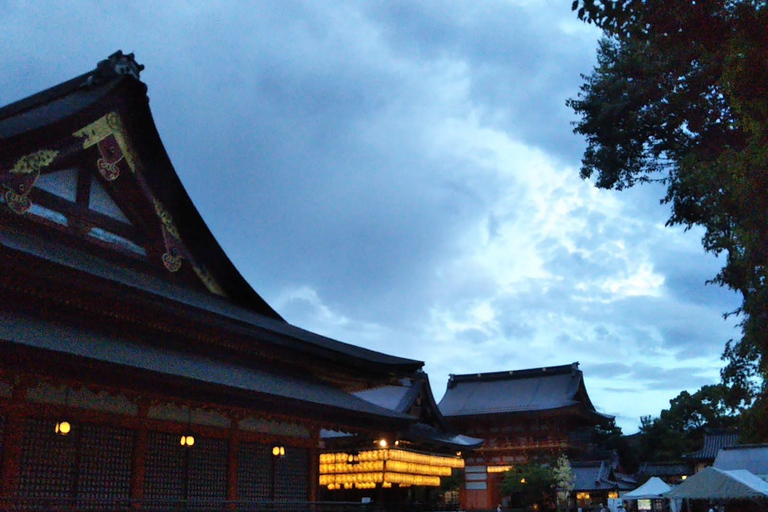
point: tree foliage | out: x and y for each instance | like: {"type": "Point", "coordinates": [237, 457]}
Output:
{"type": "Point", "coordinates": [610, 439]}
{"type": "Point", "coordinates": [680, 96]}
{"type": "Point", "coordinates": [529, 484]}
{"type": "Point", "coordinates": [680, 429]}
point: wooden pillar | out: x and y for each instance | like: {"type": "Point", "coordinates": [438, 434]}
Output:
{"type": "Point", "coordinates": [232, 461]}
{"type": "Point", "coordinates": [138, 468]}
{"type": "Point", "coordinates": [314, 467]}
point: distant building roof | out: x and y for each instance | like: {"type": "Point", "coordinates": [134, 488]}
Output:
{"type": "Point", "coordinates": [752, 457]}
{"type": "Point", "coordinates": [414, 397]}
{"type": "Point", "coordinates": [536, 389]}
{"type": "Point", "coordinates": [714, 440]}
{"type": "Point", "coordinates": [598, 475]}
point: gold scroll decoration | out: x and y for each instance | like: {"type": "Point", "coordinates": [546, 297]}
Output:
{"type": "Point", "coordinates": [109, 135]}
{"type": "Point", "coordinates": [175, 250]}
{"type": "Point", "coordinates": [208, 280]}
{"type": "Point", "coordinates": [18, 182]}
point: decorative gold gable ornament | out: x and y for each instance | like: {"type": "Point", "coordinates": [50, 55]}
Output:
{"type": "Point", "coordinates": [109, 135]}
{"type": "Point", "coordinates": [22, 177]}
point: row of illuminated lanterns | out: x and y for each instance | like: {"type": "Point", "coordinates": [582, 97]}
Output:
{"type": "Point", "coordinates": [389, 465]}
{"type": "Point", "coordinates": [392, 455]}
{"type": "Point", "coordinates": [370, 485]}
{"type": "Point", "coordinates": [379, 478]}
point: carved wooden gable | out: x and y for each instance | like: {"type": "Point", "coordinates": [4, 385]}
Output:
{"type": "Point", "coordinates": [89, 187]}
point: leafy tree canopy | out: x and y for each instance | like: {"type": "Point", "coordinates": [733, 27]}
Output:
{"type": "Point", "coordinates": [680, 429]}
{"type": "Point", "coordinates": [610, 439]}
{"type": "Point", "coordinates": [529, 484]}
{"type": "Point", "coordinates": [680, 96]}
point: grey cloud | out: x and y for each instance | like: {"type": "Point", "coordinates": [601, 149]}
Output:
{"type": "Point", "coordinates": [520, 67]}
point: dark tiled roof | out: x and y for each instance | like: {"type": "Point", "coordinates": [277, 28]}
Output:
{"type": "Point", "coordinates": [598, 475]}
{"type": "Point", "coordinates": [396, 398]}
{"type": "Point", "coordinates": [714, 439]}
{"type": "Point", "coordinates": [50, 337]}
{"type": "Point", "coordinates": [752, 457]}
{"type": "Point", "coordinates": [433, 429]}
{"type": "Point", "coordinates": [537, 389]}
{"type": "Point", "coordinates": [52, 104]}
{"type": "Point", "coordinates": [593, 476]}
{"type": "Point", "coordinates": [281, 332]}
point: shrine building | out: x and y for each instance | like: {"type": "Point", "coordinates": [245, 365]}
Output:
{"type": "Point", "coordinates": [138, 368]}
{"type": "Point", "coordinates": [523, 415]}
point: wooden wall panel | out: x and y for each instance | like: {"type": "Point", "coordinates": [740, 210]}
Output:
{"type": "Point", "coordinates": [208, 470]}
{"type": "Point", "coordinates": [292, 475]}
{"type": "Point", "coordinates": [48, 461]}
{"type": "Point", "coordinates": [164, 474]}
{"type": "Point", "coordinates": [253, 472]}
{"type": "Point", "coordinates": [104, 469]}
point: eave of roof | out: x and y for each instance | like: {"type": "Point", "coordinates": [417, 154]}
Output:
{"type": "Point", "coordinates": [527, 373]}
{"type": "Point", "coordinates": [156, 292]}
{"type": "Point", "coordinates": [23, 331]}
{"type": "Point", "coordinates": [402, 398]}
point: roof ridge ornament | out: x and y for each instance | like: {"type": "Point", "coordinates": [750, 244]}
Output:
{"type": "Point", "coordinates": [113, 66]}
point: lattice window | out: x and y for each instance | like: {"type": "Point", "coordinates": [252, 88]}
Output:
{"type": "Point", "coordinates": [47, 462]}
{"type": "Point", "coordinates": [105, 464]}
{"type": "Point", "coordinates": [208, 471]}
{"type": "Point", "coordinates": [291, 475]}
{"type": "Point", "coordinates": [164, 474]}
{"type": "Point", "coordinates": [253, 476]}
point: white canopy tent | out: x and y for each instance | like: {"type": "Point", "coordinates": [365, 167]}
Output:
{"type": "Point", "coordinates": [650, 490]}
{"type": "Point", "coordinates": [717, 484]}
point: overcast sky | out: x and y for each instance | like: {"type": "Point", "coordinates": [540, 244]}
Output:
{"type": "Point", "coordinates": [402, 175]}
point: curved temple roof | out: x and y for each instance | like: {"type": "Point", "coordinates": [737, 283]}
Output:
{"type": "Point", "coordinates": [58, 113]}
{"type": "Point", "coordinates": [536, 389]}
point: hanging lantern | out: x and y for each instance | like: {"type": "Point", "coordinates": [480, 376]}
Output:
{"type": "Point", "coordinates": [63, 428]}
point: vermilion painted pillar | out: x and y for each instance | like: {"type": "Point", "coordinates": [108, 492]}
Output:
{"type": "Point", "coordinates": [314, 471]}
